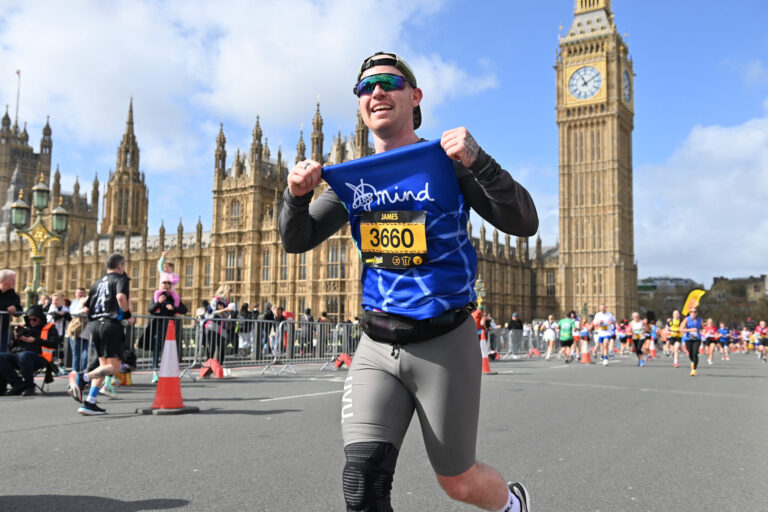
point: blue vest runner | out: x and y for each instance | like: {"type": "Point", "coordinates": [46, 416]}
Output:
{"type": "Point", "coordinates": [409, 221]}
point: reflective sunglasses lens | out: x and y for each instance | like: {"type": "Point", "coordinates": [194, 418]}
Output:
{"type": "Point", "coordinates": [386, 81]}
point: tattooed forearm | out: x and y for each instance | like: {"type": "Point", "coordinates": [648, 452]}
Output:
{"type": "Point", "coordinates": [102, 372]}
{"type": "Point", "coordinates": [472, 149]}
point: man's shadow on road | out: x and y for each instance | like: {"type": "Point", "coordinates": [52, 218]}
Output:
{"type": "Point", "coordinates": [54, 503]}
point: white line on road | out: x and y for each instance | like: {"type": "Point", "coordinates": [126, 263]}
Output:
{"type": "Point", "coordinates": [299, 396]}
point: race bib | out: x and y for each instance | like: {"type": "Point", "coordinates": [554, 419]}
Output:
{"type": "Point", "coordinates": [393, 239]}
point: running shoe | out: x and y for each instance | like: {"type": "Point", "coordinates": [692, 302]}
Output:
{"type": "Point", "coordinates": [155, 377]}
{"type": "Point", "coordinates": [693, 372]}
{"type": "Point", "coordinates": [605, 361]}
{"type": "Point", "coordinates": [74, 387]}
{"type": "Point", "coordinates": [710, 362]}
{"type": "Point", "coordinates": [521, 493]}
{"type": "Point", "coordinates": [108, 391]}
{"type": "Point", "coordinates": [89, 409]}
{"type": "Point", "coordinates": [676, 365]}
{"type": "Point", "coordinates": [641, 363]}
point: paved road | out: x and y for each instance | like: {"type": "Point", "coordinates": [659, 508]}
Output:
{"type": "Point", "coordinates": [581, 437]}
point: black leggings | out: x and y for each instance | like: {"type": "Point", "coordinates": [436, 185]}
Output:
{"type": "Point", "coordinates": [693, 351]}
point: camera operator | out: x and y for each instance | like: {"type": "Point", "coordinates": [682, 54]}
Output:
{"type": "Point", "coordinates": [27, 352]}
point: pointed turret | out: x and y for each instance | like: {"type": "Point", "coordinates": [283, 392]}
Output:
{"type": "Point", "coordinates": [539, 251]}
{"type": "Point", "coordinates": [56, 187]}
{"type": "Point", "coordinates": [179, 237]}
{"type": "Point", "coordinates": [199, 233]}
{"type": "Point", "coordinates": [220, 158]}
{"type": "Point", "coordinates": [301, 148]}
{"type": "Point", "coordinates": [24, 135]}
{"type": "Point", "coordinates": [256, 144]}
{"type": "Point", "coordinates": [237, 165]}
{"type": "Point", "coordinates": [265, 154]}
{"type": "Point", "coordinates": [6, 125]}
{"type": "Point", "coordinates": [161, 234]}
{"type": "Point", "coordinates": [95, 193]}
{"type": "Point", "coordinates": [46, 143]}
{"type": "Point", "coordinates": [128, 152]}
{"type": "Point", "coordinates": [317, 136]}
{"type": "Point", "coordinates": [361, 137]}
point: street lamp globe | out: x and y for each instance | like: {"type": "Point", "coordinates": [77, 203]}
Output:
{"type": "Point", "coordinates": [40, 195]}
{"type": "Point", "coordinates": [19, 212]}
{"type": "Point", "coordinates": [59, 218]}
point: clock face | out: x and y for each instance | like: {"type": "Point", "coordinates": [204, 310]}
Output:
{"type": "Point", "coordinates": [626, 86]}
{"type": "Point", "coordinates": [585, 82]}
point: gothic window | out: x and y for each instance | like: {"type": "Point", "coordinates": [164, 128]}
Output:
{"type": "Point", "coordinates": [281, 302]}
{"type": "Point", "coordinates": [235, 212]}
{"type": "Point", "coordinates": [135, 272]}
{"type": "Point", "coordinates": [550, 283]}
{"type": "Point", "coordinates": [302, 306]}
{"type": "Point", "coordinates": [302, 266]}
{"type": "Point", "coordinates": [265, 266]}
{"type": "Point", "coordinates": [283, 266]}
{"type": "Point", "coordinates": [73, 284]}
{"type": "Point", "coordinates": [189, 275]}
{"type": "Point", "coordinates": [207, 274]}
{"type": "Point", "coordinates": [332, 308]}
{"type": "Point", "coordinates": [59, 279]}
{"type": "Point", "coordinates": [333, 260]}
{"type": "Point", "coordinates": [234, 265]}
{"type": "Point", "coordinates": [599, 144]}
{"type": "Point", "coordinates": [88, 277]}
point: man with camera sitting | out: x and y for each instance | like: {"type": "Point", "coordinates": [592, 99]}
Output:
{"type": "Point", "coordinates": [32, 347]}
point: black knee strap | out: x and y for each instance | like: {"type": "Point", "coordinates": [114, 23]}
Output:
{"type": "Point", "coordinates": [368, 476]}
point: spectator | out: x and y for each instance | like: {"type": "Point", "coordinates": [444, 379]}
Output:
{"type": "Point", "coordinates": [27, 354]}
{"type": "Point", "coordinates": [59, 314]}
{"type": "Point", "coordinates": [10, 303]}
{"type": "Point", "coordinates": [516, 323]}
{"type": "Point", "coordinates": [306, 331]}
{"type": "Point", "coordinates": [200, 329]}
{"type": "Point", "coordinates": [265, 328]}
{"type": "Point", "coordinates": [215, 328]}
{"type": "Point", "coordinates": [45, 301]}
{"type": "Point", "coordinates": [169, 268]}
{"type": "Point", "coordinates": [162, 310]}
{"type": "Point", "coordinates": [77, 345]}
{"type": "Point", "coordinates": [245, 329]}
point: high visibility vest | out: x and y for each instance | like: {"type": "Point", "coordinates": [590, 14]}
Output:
{"type": "Point", "coordinates": [47, 352]}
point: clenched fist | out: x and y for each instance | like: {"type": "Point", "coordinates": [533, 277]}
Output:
{"type": "Point", "coordinates": [304, 177]}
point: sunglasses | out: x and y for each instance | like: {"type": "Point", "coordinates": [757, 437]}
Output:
{"type": "Point", "coordinates": [386, 81]}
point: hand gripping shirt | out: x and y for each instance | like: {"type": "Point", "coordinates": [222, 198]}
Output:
{"type": "Point", "coordinates": [408, 219]}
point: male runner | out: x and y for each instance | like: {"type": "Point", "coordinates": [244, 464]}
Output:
{"type": "Point", "coordinates": [108, 306]}
{"type": "Point", "coordinates": [565, 326]}
{"type": "Point", "coordinates": [419, 351]}
{"type": "Point", "coordinates": [603, 323]}
{"type": "Point", "coordinates": [724, 337]}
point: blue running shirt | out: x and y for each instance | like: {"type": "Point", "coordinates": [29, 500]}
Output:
{"type": "Point", "coordinates": [409, 221]}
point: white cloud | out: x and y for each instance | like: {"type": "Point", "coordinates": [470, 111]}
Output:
{"type": "Point", "coordinates": [703, 212]}
{"type": "Point", "coordinates": [189, 65]}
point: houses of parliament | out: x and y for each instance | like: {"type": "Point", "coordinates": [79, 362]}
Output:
{"type": "Point", "coordinates": [591, 264]}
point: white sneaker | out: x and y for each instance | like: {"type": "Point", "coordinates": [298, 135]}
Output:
{"type": "Point", "coordinates": [521, 493]}
{"type": "Point", "coordinates": [605, 362]}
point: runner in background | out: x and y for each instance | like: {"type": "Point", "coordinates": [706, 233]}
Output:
{"type": "Point", "coordinates": [565, 327]}
{"type": "Point", "coordinates": [602, 323]}
{"type": "Point", "coordinates": [724, 337]}
{"type": "Point", "coordinates": [709, 335]}
{"type": "Point", "coordinates": [549, 335]}
{"type": "Point", "coordinates": [638, 336]}
{"type": "Point", "coordinates": [675, 337]}
{"type": "Point", "coordinates": [691, 330]}
{"type": "Point", "coordinates": [761, 341]}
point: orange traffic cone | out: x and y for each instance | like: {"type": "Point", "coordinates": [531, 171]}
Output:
{"type": "Point", "coordinates": [343, 359]}
{"type": "Point", "coordinates": [585, 358]}
{"type": "Point", "coordinates": [168, 394]}
{"type": "Point", "coordinates": [484, 350]}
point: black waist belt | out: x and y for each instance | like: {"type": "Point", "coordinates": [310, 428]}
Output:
{"type": "Point", "coordinates": [402, 330]}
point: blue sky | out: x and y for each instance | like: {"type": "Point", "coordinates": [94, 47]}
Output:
{"type": "Point", "coordinates": [701, 99]}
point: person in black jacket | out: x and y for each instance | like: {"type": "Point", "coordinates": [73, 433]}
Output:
{"type": "Point", "coordinates": [10, 303]}
{"type": "Point", "coordinates": [162, 311]}
{"type": "Point", "coordinates": [27, 354]}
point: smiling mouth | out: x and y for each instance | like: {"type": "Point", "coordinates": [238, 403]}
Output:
{"type": "Point", "coordinates": [380, 108]}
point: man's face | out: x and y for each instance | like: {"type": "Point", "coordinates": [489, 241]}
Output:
{"type": "Point", "coordinates": [8, 282]}
{"type": "Point", "coordinates": [80, 293]}
{"type": "Point", "coordinates": [388, 113]}
{"type": "Point", "coordinates": [602, 308]}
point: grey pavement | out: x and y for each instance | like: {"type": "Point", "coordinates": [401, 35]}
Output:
{"type": "Point", "coordinates": [581, 437]}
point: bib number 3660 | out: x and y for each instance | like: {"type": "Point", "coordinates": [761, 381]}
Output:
{"type": "Point", "coordinates": [393, 239]}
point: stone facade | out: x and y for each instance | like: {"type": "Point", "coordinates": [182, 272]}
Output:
{"type": "Point", "coordinates": [594, 264]}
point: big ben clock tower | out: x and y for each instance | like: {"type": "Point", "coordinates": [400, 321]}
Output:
{"type": "Point", "coordinates": [595, 110]}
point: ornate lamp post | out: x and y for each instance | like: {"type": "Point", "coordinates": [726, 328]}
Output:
{"type": "Point", "coordinates": [480, 290]}
{"type": "Point", "coordinates": [38, 235]}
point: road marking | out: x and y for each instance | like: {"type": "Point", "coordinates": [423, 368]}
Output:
{"type": "Point", "coordinates": [300, 396]}
{"type": "Point", "coordinates": [610, 386]}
